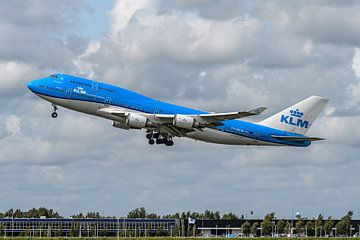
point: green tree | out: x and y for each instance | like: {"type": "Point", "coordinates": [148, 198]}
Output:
{"type": "Point", "coordinates": [319, 225]}
{"type": "Point", "coordinates": [230, 216]}
{"type": "Point", "coordinates": [152, 216]}
{"type": "Point", "coordinates": [287, 228]}
{"type": "Point", "coordinates": [343, 226]}
{"type": "Point", "coordinates": [246, 228]}
{"type": "Point", "coordinates": [310, 228]}
{"type": "Point", "coordinates": [93, 215]}
{"type": "Point", "coordinates": [1, 230]}
{"type": "Point", "coordinates": [299, 226]}
{"type": "Point", "coordinates": [268, 224]}
{"type": "Point", "coordinates": [9, 213]}
{"type": "Point", "coordinates": [148, 231]}
{"type": "Point", "coordinates": [217, 215]}
{"type": "Point", "coordinates": [159, 232]}
{"type": "Point", "coordinates": [137, 213]}
{"type": "Point", "coordinates": [80, 215]}
{"type": "Point", "coordinates": [280, 227]}
{"type": "Point", "coordinates": [18, 214]}
{"type": "Point", "coordinates": [42, 211]}
{"type": "Point", "coordinates": [254, 229]}
{"type": "Point", "coordinates": [49, 231]}
{"type": "Point", "coordinates": [328, 226]}
{"type": "Point", "coordinates": [74, 231]}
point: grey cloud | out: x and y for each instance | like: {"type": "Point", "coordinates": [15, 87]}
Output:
{"type": "Point", "coordinates": [37, 32]}
{"type": "Point", "coordinates": [248, 54]}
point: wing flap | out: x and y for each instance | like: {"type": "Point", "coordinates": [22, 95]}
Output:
{"type": "Point", "coordinates": [297, 138]}
{"type": "Point", "coordinates": [216, 117]}
{"type": "Point", "coordinates": [114, 111]}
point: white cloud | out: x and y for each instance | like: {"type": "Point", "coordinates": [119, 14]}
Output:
{"type": "Point", "coordinates": [13, 125]}
{"type": "Point", "coordinates": [356, 62]}
{"type": "Point", "coordinates": [248, 95]}
{"type": "Point", "coordinates": [308, 47]}
{"type": "Point", "coordinates": [340, 130]}
{"type": "Point", "coordinates": [180, 36]}
{"type": "Point", "coordinates": [242, 56]}
{"type": "Point", "coordinates": [84, 67]}
{"type": "Point", "coordinates": [353, 89]}
{"type": "Point", "coordinates": [122, 13]}
{"type": "Point", "coordinates": [14, 76]}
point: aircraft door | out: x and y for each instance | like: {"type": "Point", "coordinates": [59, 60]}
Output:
{"type": "Point", "coordinates": [107, 100]}
{"type": "Point", "coordinates": [68, 93]}
{"type": "Point", "coordinates": [94, 86]}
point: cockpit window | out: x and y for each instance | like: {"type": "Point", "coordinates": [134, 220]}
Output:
{"type": "Point", "coordinates": [53, 76]}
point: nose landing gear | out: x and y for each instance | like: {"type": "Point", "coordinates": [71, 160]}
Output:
{"type": "Point", "coordinates": [54, 113]}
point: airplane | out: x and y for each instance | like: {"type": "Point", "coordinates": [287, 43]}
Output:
{"type": "Point", "coordinates": [164, 121]}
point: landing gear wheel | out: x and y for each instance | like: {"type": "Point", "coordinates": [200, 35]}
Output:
{"type": "Point", "coordinates": [169, 143]}
{"type": "Point", "coordinates": [149, 136]}
{"type": "Point", "coordinates": [54, 114]}
{"type": "Point", "coordinates": [151, 141]}
{"type": "Point", "coordinates": [156, 135]}
{"type": "Point", "coordinates": [160, 141]}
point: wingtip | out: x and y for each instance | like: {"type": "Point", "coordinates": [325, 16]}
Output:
{"type": "Point", "coordinates": [324, 99]}
{"type": "Point", "coordinates": [259, 110]}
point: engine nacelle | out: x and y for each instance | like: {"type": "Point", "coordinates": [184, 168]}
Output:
{"type": "Point", "coordinates": [121, 125]}
{"type": "Point", "coordinates": [134, 120]}
{"type": "Point", "coordinates": [184, 121]}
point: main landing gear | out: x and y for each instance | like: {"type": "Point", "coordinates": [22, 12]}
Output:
{"type": "Point", "coordinates": [159, 139]}
{"type": "Point", "coordinates": [54, 113]}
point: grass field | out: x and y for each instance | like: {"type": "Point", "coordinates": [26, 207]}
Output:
{"type": "Point", "coordinates": [180, 238]}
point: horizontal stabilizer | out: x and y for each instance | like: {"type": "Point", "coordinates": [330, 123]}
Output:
{"type": "Point", "coordinates": [297, 138]}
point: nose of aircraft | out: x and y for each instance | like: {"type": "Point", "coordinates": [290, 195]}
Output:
{"type": "Point", "coordinates": [31, 85]}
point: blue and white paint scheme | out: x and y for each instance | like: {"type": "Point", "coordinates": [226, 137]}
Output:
{"type": "Point", "coordinates": [164, 121]}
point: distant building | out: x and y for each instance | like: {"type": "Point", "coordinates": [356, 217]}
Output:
{"type": "Point", "coordinates": [232, 228]}
{"type": "Point", "coordinates": [87, 227]}
{"type": "Point", "coordinates": [123, 227]}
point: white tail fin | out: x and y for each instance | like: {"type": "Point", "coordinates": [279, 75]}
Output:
{"type": "Point", "coordinates": [299, 117]}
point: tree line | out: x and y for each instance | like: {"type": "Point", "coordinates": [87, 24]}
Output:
{"type": "Point", "coordinates": [268, 226]}
{"type": "Point", "coordinates": [303, 227]}
{"type": "Point", "coordinates": [135, 213]}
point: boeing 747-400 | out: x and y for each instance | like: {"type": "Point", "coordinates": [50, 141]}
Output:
{"type": "Point", "coordinates": [164, 121]}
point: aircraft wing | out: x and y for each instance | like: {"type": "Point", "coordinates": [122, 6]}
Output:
{"type": "Point", "coordinates": [297, 138]}
{"type": "Point", "coordinates": [217, 117]}
{"type": "Point", "coordinates": [206, 120]}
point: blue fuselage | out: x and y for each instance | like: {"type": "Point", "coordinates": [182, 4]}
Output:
{"type": "Point", "coordinates": [69, 88]}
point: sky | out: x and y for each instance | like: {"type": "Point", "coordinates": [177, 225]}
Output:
{"type": "Point", "coordinates": [208, 54]}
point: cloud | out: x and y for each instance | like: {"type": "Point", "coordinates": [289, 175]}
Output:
{"type": "Point", "coordinates": [353, 89]}
{"type": "Point", "coordinates": [317, 22]}
{"type": "Point", "coordinates": [12, 125]}
{"type": "Point", "coordinates": [40, 34]}
{"type": "Point", "coordinates": [211, 55]}
{"type": "Point", "coordinates": [122, 14]}
{"type": "Point", "coordinates": [14, 77]}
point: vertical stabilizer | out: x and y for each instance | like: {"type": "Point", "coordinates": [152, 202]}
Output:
{"type": "Point", "coordinates": [299, 117]}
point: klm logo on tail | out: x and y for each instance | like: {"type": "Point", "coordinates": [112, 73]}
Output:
{"type": "Point", "coordinates": [295, 119]}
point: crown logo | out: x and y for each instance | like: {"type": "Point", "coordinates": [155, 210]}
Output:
{"type": "Point", "coordinates": [296, 113]}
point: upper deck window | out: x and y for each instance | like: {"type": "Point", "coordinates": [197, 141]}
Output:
{"type": "Point", "coordinates": [106, 89]}
{"type": "Point", "coordinates": [80, 83]}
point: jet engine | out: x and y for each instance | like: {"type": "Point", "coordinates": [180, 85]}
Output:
{"type": "Point", "coordinates": [121, 125]}
{"type": "Point", "coordinates": [184, 121]}
{"type": "Point", "coordinates": [134, 120]}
